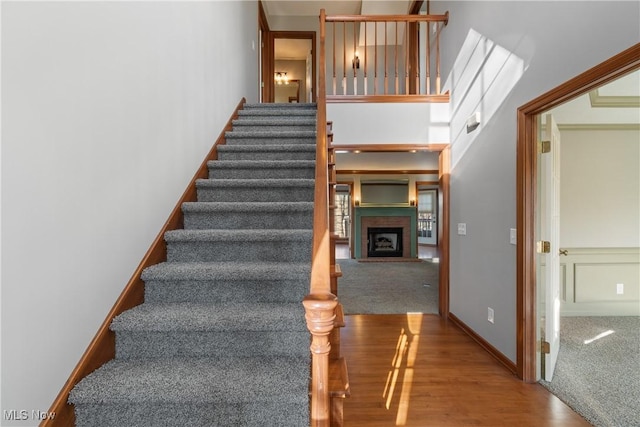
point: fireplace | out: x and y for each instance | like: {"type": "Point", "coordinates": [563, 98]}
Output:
{"type": "Point", "coordinates": [384, 242]}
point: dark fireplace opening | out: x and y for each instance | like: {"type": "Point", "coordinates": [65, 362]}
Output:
{"type": "Point", "coordinates": [384, 242]}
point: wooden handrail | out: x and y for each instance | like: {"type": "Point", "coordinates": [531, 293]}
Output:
{"type": "Point", "coordinates": [320, 304]}
{"type": "Point", "coordinates": [397, 78]}
{"type": "Point", "coordinates": [388, 18]}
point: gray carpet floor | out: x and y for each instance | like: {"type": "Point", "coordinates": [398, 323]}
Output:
{"type": "Point", "coordinates": [388, 287]}
{"type": "Point", "coordinates": [600, 379]}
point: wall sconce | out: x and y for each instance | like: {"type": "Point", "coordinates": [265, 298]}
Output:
{"type": "Point", "coordinates": [412, 202]}
{"type": "Point", "coordinates": [473, 122]}
{"type": "Point", "coordinates": [280, 78]}
{"type": "Point", "coordinates": [355, 62]}
{"type": "Point", "coordinates": [357, 202]}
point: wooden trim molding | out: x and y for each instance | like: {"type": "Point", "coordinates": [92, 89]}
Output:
{"type": "Point", "coordinates": [444, 183]}
{"type": "Point", "coordinates": [386, 172]}
{"type": "Point", "coordinates": [102, 347]}
{"type": "Point", "coordinates": [262, 18]}
{"type": "Point", "coordinates": [497, 354]}
{"type": "Point", "coordinates": [265, 54]}
{"type": "Point", "coordinates": [416, 6]}
{"type": "Point", "coordinates": [341, 99]}
{"type": "Point", "coordinates": [600, 126]}
{"type": "Point", "coordinates": [379, 148]}
{"type": "Point", "coordinates": [526, 186]}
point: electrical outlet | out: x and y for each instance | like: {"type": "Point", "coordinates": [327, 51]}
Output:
{"type": "Point", "coordinates": [620, 288]}
{"type": "Point", "coordinates": [490, 314]}
{"type": "Point", "coordinates": [513, 236]}
{"type": "Point", "coordinates": [462, 229]}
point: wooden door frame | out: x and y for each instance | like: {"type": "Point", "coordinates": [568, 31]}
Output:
{"type": "Point", "coordinates": [526, 185]}
{"type": "Point", "coordinates": [268, 61]}
{"type": "Point", "coordinates": [444, 182]}
{"type": "Point", "coordinates": [263, 26]}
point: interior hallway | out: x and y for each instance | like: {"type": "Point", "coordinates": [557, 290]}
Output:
{"type": "Point", "coordinates": [419, 370]}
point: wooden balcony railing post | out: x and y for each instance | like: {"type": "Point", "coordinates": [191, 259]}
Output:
{"type": "Point", "coordinates": [320, 304]}
{"type": "Point", "coordinates": [320, 315]}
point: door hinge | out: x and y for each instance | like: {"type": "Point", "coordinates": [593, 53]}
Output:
{"type": "Point", "coordinates": [545, 347]}
{"type": "Point", "coordinates": [543, 247]}
{"type": "Point", "coordinates": [544, 147]}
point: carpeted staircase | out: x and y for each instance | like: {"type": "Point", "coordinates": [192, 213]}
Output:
{"type": "Point", "coordinates": [221, 338]}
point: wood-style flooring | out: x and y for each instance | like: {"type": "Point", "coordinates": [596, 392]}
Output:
{"type": "Point", "coordinates": [419, 370]}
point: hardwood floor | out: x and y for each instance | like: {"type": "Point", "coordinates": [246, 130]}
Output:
{"type": "Point", "coordinates": [419, 370]}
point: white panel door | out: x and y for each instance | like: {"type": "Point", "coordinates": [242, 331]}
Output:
{"type": "Point", "coordinates": [550, 229]}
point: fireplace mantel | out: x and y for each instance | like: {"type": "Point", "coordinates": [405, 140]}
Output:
{"type": "Point", "coordinates": [386, 216]}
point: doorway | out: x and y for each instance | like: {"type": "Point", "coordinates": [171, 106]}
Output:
{"type": "Point", "coordinates": [527, 187]}
{"type": "Point", "coordinates": [427, 215]}
{"type": "Point", "coordinates": [289, 67]}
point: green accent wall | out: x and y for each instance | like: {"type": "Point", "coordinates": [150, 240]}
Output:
{"type": "Point", "coordinates": [411, 212]}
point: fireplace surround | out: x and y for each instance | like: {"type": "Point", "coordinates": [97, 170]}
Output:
{"type": "Point", "coordinates": [385, 217]}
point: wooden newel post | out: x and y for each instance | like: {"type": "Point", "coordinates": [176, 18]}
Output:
{"type": "Point", "coordinates": [320, 315]}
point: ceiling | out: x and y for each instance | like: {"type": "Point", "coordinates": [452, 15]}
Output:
{"type": "Point", "coordinates": [336, 7]}
{"type": "Point", "coordinates": [310, 8]}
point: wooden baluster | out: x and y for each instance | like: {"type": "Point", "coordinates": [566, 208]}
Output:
{"type": "Point", "coordinates": [355, 55]}
{"type": "Point", "coordinates": [333, 24]}
{"type": "Point", "coordinates": [386, 76]}
{"type": "Point", "coordinates": [344, 57]}
{"type": "Point", "coordinates": [365, 57]}
{"type": "Point", "coordinates": [375, 59]}
{"type": "Point", "coordinates": [416, 52]}
{"type": "Point", "coordinates": [396, 53]}
{"type": "Point", "coordinates": [438, 59]}
{"type": "Point", "coordinates": [320, 315]}
{"type": "Point", "coordinates": [428, 70]}
{"type": "Point", "coordinates": [406, 57]}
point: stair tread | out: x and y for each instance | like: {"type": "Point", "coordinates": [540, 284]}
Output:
{"type": "Point", "coordinates": [276, 164]}
{"type": "Point", "coordinates": [275, 121]}
{"type": "Point", "coordinates": [226, 270]}
{"type": "Point", "coordinates": [199, 317]}
{"type": "Point", "coordinates": [279, 106]}
{"type": "Point", "coordinates": [247, 207]}
{"type": "Point", "coordinates": [269, 148]}
{"type": "Point", "coordinates": [271, 133]}
{"type": "Point", "coordinates": [255, 183]}
{"type": "Point", "coordinates": [196, 380]}
{"type": "Point", "coordinates": [207, 235]}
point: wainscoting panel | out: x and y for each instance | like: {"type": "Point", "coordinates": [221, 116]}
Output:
{"type": "Point", "coordinates": [590, 279]}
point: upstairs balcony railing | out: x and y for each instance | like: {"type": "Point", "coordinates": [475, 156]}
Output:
{"type": "Point", "coordinates": [383, 58]}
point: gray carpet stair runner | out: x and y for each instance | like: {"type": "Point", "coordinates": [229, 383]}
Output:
{"type": "Point", "coordinates": [221, 338]}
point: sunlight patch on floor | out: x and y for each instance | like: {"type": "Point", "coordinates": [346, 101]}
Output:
{"type": "Point", "coordinates": [401, 374]}
{"type": "Point", "coordinates": [597, 337]}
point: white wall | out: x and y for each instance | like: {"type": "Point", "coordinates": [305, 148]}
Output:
{"type": "Point", "coordinates": [542, 44]}
{"type": "Point", "coordinates": [108, 108]}
{"type": "Point", "coordinates": [389, 123]}
{"type": "Point", "coordinates": [600, 189]}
